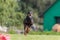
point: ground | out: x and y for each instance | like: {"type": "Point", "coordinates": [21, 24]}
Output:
{"type": "Point", "coordinates": [34, 37]}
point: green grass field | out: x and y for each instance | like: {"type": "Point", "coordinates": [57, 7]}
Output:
{"type": "Point", "coordinates": [34, 37]}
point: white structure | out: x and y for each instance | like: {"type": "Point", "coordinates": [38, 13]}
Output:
{"type": "Point", "coordinates": [3, 29]}
{"type": "Point", "coordinates": [34, 27]}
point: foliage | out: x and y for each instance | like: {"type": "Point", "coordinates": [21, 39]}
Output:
{"type": "Point", "coordinates": [8, 14]}
{"type": "Point", "coordinates": [13, 12]}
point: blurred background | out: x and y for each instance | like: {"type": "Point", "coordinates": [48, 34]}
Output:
{"type": "Point", "coordinates": [13, 12]}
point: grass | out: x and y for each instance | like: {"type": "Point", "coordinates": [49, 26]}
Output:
{"type": "Point", "coordinates": [44, 33]}
{"type": "Point", "coordinates": [37, 35]}
{"type": "Point", "coordinates": [34, 37]}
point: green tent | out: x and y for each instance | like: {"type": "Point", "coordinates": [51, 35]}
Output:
{"type": "Point", "coordinates": [50, 16]}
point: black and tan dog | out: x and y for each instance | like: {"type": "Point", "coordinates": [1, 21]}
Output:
{"type": "Point", "coordinates": [28, 21]}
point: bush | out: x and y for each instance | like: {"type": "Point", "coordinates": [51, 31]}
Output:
{"type": "Point", "coordinates": [12, 32]}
